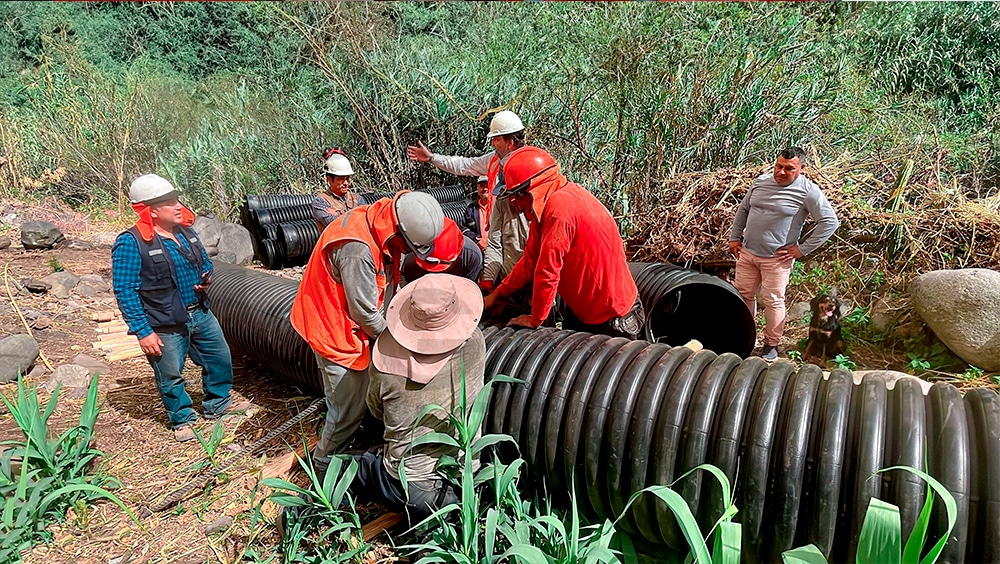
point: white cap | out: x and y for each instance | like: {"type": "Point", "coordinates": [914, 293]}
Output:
{"type": "Point", "coordinates": [150, 187]}
{"type": "Point", "coordinates": [504, 123]}
{"type": "Point", "coordinates": [338, 165]}
{"type": "Point", "coordinates": [482, 179]}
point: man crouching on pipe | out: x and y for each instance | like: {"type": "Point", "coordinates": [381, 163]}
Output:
{"type": "Point", "coordinates": [574, 248]}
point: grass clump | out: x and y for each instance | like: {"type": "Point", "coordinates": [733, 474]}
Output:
{"type": "Point", "coordinates": [42, 476]}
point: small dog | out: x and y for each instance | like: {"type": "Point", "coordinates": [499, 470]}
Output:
{"type": "Point", "coordinates": [825, 340]}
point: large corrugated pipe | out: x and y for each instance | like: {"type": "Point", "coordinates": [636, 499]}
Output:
{"type": "Point", "coordinates": [297, 238]}
{"type": "Point", "coordinates": [253, 309]}
{"type": "Point", "coordinates": [607, 417]}
{"type": "Point", "coordinates": [683, 304]}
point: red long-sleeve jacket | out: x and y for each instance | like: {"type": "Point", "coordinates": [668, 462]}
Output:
{"type": "Point", "coordinates": [573, 248]}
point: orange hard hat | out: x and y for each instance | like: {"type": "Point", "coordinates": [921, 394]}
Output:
{"type": "Point", "coordinates": [447, 247]}
{"type": "Point", "coordinates": [524, 164]}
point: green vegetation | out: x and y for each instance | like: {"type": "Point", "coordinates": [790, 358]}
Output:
{"type": "Point", "coordinates": [317, 527]}
{"type": "Point", "coordinates": [210, 445]}
{"type": "Point", "coordinates": [41, 477]}
{"type": "Point", "coordinates": [494, 522]}
{"type": "Point", "coordinates": [227, 99]}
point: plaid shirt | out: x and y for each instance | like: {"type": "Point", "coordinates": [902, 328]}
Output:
{"type": "Point", "coordinates": [125, 266]}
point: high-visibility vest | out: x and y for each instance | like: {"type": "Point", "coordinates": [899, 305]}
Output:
{"type": "Point", "coordinates": [320, 312]}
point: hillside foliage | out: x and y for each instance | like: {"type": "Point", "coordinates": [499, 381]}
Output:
{"type": "Point", "coordinates": [231, 98]}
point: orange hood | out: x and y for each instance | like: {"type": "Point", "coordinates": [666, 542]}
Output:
{"type": "Point", "coordinates": [145, 221]}
{"type": "Point", "coordinates": [542, 187]}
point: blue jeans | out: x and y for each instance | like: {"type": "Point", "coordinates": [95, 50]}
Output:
{"type": "Point", "coordinates": [201, 338]}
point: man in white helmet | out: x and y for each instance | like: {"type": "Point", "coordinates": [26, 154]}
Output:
{"type": "Point", "coordinates": [338, 307]}
{"type": "Point", "coordinates": [338, 197]}
{"type": "Point", "coordinates": [159, 272]}
{"type": "Point", "coordinates": [507, 229]}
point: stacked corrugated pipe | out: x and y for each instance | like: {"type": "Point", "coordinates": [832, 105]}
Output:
{"type": "Point", "coordinates": [284, 233]}
{"type": "Point", "coordinates": [607, 417]}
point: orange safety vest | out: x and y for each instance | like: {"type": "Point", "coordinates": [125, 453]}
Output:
{"type": "Point", "coordinates": [320, 312]}
{"type": "Point", "coordinates": [492, 171]}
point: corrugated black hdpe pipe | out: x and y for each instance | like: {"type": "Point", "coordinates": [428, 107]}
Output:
{"type": "Point", "coordinates": [683, 304]}
{"type": "Point", "coordinates": [605, 417]}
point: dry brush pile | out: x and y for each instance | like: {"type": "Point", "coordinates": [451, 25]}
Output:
{"type": "Point", "coordinates": [899, 219]}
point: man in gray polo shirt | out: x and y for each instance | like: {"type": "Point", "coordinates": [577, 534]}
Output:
{"type": "Point", "coordinates": [765, 238]}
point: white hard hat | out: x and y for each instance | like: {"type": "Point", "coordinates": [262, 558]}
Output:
{"type": "Point", "coordinates": [503, 123]}
{"type": "Point", "coordinates": [150, 187]}
{"type": "Point", "coordinates": [338, 165]}
{"type": "Point", "coordinates": [420, 221]}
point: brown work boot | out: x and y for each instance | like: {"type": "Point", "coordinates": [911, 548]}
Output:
{"type": "Point", "coordinates": [233, 409]}
{"type": "Point", "coordinates": [184, 434]}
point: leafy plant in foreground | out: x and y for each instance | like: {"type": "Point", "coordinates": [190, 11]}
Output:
{"type": "Point", "coordinates": [318, 525]}
{"type": "Point", "coordinates": [881, 532]}
{"type": "Point", "coordinates": [211, 445]}
{"type": "Point", "coordinates": [41, 476]}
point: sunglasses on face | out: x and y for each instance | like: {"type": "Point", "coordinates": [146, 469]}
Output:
{"type": "Point", "coordinates": [519, 190]}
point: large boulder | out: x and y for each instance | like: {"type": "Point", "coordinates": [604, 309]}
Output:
{"type": "Point", "coordinates": [40, 235]}
{"type": "Point", "coordinates": [962, 307]}
{"type": "Point", "coordinates": [17, 353]}
{"type": "Point", "coordinates": [209, 230]}
{"type": "Point", "coordinates": [235, 239]}
{"type": "Point", "coordinates": [61, 283]}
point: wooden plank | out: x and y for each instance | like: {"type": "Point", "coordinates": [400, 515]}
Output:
{"type": "Point", "coordinates": [385, 521]}
{"type": "Point", "coordinates": [122, 328]}
{"type": "Point", "coordinates": [106, 315]}
{"type": "Point", "coordinates": [124, 354]}
{"type": "Point", "coordinates": [103, 343]}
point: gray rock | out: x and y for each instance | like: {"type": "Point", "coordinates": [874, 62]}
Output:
{"type": "Point", "coordinates": [85, 290]}
{"type": "Point", "coordinates": [35, 286]}
{"type": "Point", "coordinates": [17, 353]}
{"type": "Point", "coordinates": [104, 239]}
{"type": "Point", "coordinates": [91, 363]}
{"type": "Point", "coordinates": [37, 371]}
{"type": "Point", "coordinates": [219, 525]}
{"type": "Point", "coordinates": [209, 230]}
{"type": "Point", "coordinates": [61, 283]}
{"type": "Point", "coordinates": [962, 307]}
{"type": "Point", "coordinates": [42, 323]}
{"type": "Point", "coordinates": [4, 242]}
{"type": "Point", "coordinates": [798, 313]}
{"type": "Point", "coordinates": [40, 235]}
{"type": "Point", "coordinates": [883, 322]}
{"type": "Point", "coordinates": [227, 257]}
{"type": "Point", "coordinates": [236, 240]}
{"type": "Point", "coordinates": [70, 376]}
{"type": "Point", "coordinates": [97, 281]}
{"type": "Point", "coordinates": [78, 245]}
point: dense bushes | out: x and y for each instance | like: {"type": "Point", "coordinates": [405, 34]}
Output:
{"type": "Point", "coordinates": [233, 98]}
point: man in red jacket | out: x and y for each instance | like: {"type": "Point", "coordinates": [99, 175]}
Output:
{"type": "Point", "coordinates": [573, 249]}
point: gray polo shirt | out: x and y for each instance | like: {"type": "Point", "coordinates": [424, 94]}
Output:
{"type": "Point", "coordinates": [771, 216]}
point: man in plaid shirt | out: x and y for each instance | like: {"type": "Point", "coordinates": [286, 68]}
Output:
{"type": "Point", "coordinates": [159, 272]}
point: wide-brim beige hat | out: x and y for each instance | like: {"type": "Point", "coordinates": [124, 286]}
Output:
{"type": "Point", "coordinates": [426, 322]}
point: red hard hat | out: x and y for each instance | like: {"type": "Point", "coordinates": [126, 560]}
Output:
{"type": "Point", "coordinates": [447, 247]}
{"type": "Point", "coordinates": [524, 164]}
